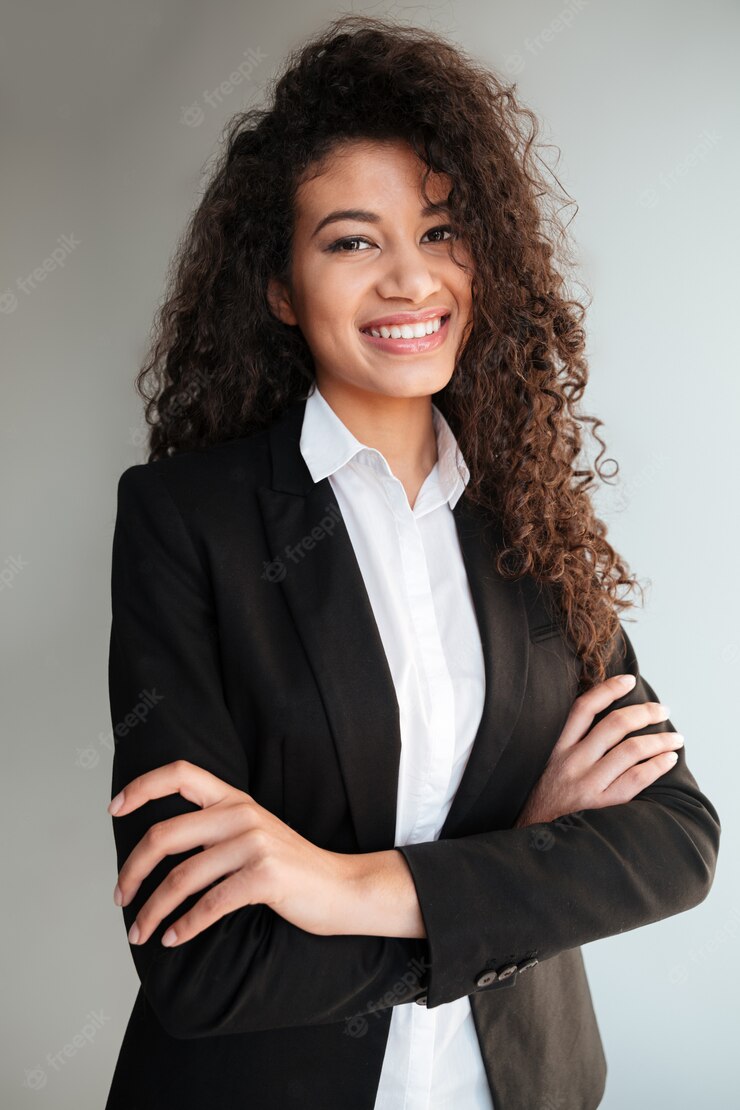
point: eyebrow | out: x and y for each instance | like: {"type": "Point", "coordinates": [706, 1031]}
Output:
{"type": "Point", "coordinates": [363, 216]}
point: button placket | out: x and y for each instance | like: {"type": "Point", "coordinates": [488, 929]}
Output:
{"type": "Point", "coordinates": [413, 632]}
{"type": "Point", "coordinates": [437, 690]}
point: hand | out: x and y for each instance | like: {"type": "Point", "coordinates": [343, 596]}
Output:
{"type": "Point", "coordinates": [593, 769]}
{"type": "Point", "coordinates": [257, 856]}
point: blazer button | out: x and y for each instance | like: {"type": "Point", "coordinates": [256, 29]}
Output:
{"type": "Point", "coordinates": [486, 978]}
{"type": "Point", "coordinates": [421, 1000]}
{"type": "Point", "coordinates": [507, 971]}
{"type": "Point", "coordinates": [527, 964]}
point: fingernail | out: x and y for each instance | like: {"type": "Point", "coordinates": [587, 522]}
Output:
{"type": "Point", "coordinates": [133, 933]}
{"type": "Point", "coordinates": [115, 804]}
{"type": "Point", "coordinates": [169, 937]}
{"type": "Point", "coordinates": [118, 895]}
{"type": "Point", "coordinates": [673, 757]}
{"type": "Point", "coordinates": [627, 679]}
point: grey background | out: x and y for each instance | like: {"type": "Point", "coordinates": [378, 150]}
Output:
{"type": "Point", "coordinates": [106, 133]}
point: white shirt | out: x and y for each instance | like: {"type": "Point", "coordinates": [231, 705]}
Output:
{"type": "Point", "coordinates": [416, 581]}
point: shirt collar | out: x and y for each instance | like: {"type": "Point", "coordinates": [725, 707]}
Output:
{"type": "Point", "coordinates": [327, 444]}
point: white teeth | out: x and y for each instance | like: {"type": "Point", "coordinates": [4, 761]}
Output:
{"type": "Point", "coordinates": [408, 331]}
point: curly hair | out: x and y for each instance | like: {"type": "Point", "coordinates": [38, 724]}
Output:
{"type": "Point", "coordinates": [220, 364]}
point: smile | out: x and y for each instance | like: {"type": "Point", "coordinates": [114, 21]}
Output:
{"type": "Point", "coordinates": [408, 338]}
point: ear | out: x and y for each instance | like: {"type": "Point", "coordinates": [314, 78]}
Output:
{"type": "Point", "coordinates": [278, 298]}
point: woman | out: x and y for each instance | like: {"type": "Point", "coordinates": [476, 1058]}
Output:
{"type": "Point", "coordinates": [368, 678]}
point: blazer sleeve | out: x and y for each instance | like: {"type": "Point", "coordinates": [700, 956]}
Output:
{"type": "Point", "coordinates": [493, 899]}
{"type": "Point", "coordinates": [252, 970]}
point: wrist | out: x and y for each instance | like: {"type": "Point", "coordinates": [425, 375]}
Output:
{"type": "Point", "coordinates": [383, 895]}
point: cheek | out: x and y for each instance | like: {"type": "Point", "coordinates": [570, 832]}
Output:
{"type": "Point", "coordinates": [327, 330]}
{"type": "Point", "coordinates": [460, 283]}
{"type": "Point", "coordinates": [330, 306]}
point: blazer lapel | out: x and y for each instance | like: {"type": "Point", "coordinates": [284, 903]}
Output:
{"type": "Point", "coordinates": [504, 631]}
{"type": "Point", "coordinates": [315, 565]}
{"type": "Point", "coordinates": [326, 593]}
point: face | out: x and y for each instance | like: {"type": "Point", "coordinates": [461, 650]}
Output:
{"type": "Point", "coordinates": [387, 265]}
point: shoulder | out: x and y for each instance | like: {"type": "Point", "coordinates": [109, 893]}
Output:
{"type": "Point", "coordinates": [202, 473]}
{"type": "Point", "coordinates": [207, 493]}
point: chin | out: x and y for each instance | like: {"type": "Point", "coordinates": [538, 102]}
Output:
{"type": "Point", "coordinates": [401, 386]}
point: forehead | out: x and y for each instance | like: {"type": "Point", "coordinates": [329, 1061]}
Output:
{"type": "Point", "coordinates": [378, 172]}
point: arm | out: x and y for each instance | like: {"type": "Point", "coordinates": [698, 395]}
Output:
{"type": "Point", "coordinates": [536, 891]}
{"type": "Point", "coordinates": [252, 969]}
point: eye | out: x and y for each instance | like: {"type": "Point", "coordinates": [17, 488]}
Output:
{"type": "Point", "coordinates": [443, 227]}
{"type": "Point", "coordinates": [338, 247]}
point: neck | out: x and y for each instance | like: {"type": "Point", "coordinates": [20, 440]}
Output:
{"type": "Point", "coordinates": [401, 428]}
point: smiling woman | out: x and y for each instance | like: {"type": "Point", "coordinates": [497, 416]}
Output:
{"type": "Point", "coordinates": [403, 764]}
{"type": "Point", "coordinates": [340, 298]}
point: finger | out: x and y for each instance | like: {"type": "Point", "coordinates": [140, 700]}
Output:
{"type": "Point", "coordinates": [629, 753]}
{"type": "Point", "coordinates": [184, 880]}
{"type": "Point", "coordinates": [224, 898]}
{"type": "Point", "coordinates": [587, 705]}
{"type": "Point", "coordinates": [202, 828]}
{"type": "Point", "coordinates": [615, 726]}
{"type": "Point", "coordinates": [632, 782]}
{"type": "Point", "coordinates": [181, 777]}
{"type": "Point", "coordinates": [234, 892]}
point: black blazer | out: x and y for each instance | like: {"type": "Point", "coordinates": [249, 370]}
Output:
{"type": "Point", "coordinates": [243, 640]}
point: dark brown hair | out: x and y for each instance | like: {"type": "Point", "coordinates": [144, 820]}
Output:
{"type": "Point", "coordinates": [221, 365]}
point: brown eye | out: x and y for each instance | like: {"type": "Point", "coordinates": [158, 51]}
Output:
{"type": "Point", "coordinates": [340, 246]}
{"type": "Point", "coordinates": [444, 227]}
{"type": "Point", "coordinates": [336, 248]}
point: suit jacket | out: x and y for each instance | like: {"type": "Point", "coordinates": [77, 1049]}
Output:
{"type": "Point", "coordinates": [243, 640]}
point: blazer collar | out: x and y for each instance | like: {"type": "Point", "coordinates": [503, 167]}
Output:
{"type": "Point", "coordinates": [324, 589]}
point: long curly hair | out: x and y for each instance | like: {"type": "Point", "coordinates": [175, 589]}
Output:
{"type": "Point", "coordinates": [221, 365]}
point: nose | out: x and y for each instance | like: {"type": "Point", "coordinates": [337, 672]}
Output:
{"type": "Point", "coordinates": [408, 274]}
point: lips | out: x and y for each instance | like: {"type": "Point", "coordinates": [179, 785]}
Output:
{"type": "Point", "coordinates": [400, 318]}
{"type": "Point", "coordinates": [414, 345]}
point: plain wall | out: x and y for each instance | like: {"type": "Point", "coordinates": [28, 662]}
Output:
{"type": "Point", "coordinates": [106, 131]}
